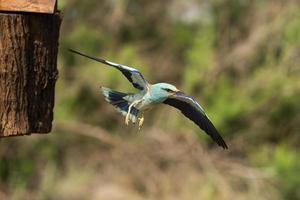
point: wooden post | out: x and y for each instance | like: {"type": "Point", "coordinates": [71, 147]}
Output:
{"type": "Point", "coordinates": [28, 71]}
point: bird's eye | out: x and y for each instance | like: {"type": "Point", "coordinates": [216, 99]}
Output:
{"type": "Point", "coordinates": [167, 89]}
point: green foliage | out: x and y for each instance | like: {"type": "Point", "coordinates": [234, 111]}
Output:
{"type": "Point", "coordinates": [282, 163]}
{"type": "Point", "coordinates": [241, 65]}
{"type": "Point", "coordinates": [20, 165]}
{"type": "Point", "coordinates": [292, 29]}
{"type": "Point", "coordinates": [199, 58]}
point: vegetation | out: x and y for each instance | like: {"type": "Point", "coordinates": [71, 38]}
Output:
{"type": "Point", "coordinates": [240, 59]}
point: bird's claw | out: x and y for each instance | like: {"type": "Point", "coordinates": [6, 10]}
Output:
{"type": "Point", "coordinates": [141, 122]}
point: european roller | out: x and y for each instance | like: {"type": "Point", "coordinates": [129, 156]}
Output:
{"type": "Point", "coordinates": [133, 105]}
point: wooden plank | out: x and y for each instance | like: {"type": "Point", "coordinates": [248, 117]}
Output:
{"type": "Point", "coordinates": [38, 6]}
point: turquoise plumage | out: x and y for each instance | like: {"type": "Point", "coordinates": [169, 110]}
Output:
{"type": "Point", "coordinates": [132, 105]}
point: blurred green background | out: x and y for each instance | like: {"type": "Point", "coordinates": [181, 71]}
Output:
{"type": "Point", "coordinates": [239, 58]}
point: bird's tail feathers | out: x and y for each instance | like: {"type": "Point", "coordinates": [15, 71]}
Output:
{"type": "Point", "coordinates": [117, 100]}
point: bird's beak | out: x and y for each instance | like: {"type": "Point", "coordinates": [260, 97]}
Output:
{"type": "Point", "coordinates": [178, 93]}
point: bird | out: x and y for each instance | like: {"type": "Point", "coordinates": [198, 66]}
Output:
{"type": "Point", "coordinates": [133, 105]}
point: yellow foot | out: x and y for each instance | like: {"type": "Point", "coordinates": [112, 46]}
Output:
{"type": "Point", "coordinates": [141, 122]}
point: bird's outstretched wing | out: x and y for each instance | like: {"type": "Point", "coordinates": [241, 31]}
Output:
{"type": "Point", "coordinates": [133, 75]}
{"type": "Point", "coordinates": [192, 110]}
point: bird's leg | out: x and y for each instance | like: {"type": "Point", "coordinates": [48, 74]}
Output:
{"type": "Point", "coordinates": [129, 110]}
{"type": "Point", "coordinates": [128, 114]}
{"type": "Point", "coordinates": [141, 121]}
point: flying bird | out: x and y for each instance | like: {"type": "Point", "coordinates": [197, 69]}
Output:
{"type": "Point", "coordinates": [132, 105]}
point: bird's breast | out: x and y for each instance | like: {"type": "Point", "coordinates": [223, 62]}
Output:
{"type": "Point", "coordinates": [145, 104]}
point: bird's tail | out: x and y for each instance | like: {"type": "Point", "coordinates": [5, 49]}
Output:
{"type": "Point", "coordinates": [122, 105]}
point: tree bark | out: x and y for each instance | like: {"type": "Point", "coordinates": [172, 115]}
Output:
{"type": "Point", "coordinates": [28, 72]}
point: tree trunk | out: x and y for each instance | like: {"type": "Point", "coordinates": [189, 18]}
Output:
{"type": "Point", "coordinates": [28, 72]}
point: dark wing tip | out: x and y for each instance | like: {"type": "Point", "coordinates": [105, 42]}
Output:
{"type": "Point", "coordinates": [199, 119]}
{"type": "Point", "coordinates": [90, 57]}
{"type": "Point", "coordinates": [73, 51]}
{"type": "Point", "coordinates": [221, 143]}
{"type": "Point", "coordinates": [205, 124]}
{"type": "Point", "coordinates": [126, 71]}
{"type": "Point", "coordinates": [77, 52]}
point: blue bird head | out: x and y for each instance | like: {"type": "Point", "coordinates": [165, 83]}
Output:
{"type": "Point", "coordinates": [161, 91]}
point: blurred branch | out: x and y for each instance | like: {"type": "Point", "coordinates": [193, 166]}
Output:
{"type": "Point", "coordinates": [87, 130]}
